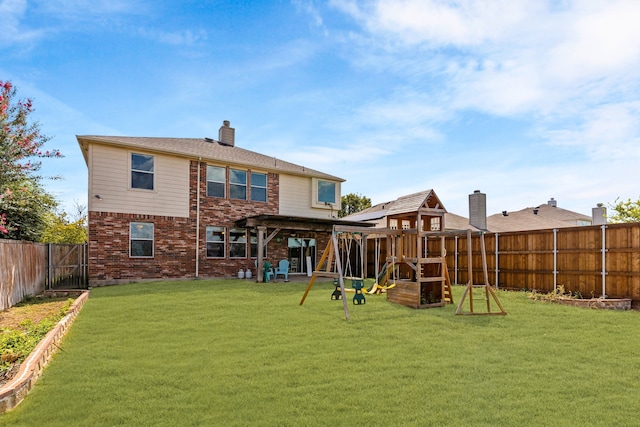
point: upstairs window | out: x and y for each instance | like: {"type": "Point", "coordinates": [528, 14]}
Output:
{"type": "Point", "coordinates": [237, 184]}
{"type": "Point", "coordinates": [258, 187]}
{"type": "Point", "coordinates": [141, 240]}
{"type": "Point", "coordinates": [141, 171]}
{"type": "Point", "coordinates": [216, 181]}
{"type": "Point", "coordinates": [326, 192]}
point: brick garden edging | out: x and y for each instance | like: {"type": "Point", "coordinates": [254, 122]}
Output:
{"type": "Point", "coordinates": [13, 392]}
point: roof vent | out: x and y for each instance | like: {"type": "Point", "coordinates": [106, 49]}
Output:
{"type": "Point", "coordinates": [553, 203]}
{"type": "Point", "coordinates": [209, 140]}
{"type": "Point", "coordinates": [227, 134]}
{"type": "Point", "coordinates": [505, 213]}
{"type": "Point", "coordinates": [535, 211]}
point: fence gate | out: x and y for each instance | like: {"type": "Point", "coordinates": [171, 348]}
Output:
{"type": "Point", "coordinates": [67, 266]}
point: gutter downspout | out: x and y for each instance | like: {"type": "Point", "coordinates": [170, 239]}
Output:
{"type": "Point", "coordinates": [198, 221]}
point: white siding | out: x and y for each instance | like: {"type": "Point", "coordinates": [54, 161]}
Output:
{"type": "Point", "coordinates": [109, 173]}
{"type": "Point", "coordinates": [296, 198]}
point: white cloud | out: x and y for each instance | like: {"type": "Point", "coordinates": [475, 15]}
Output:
{"type": "Point", "coordinates": [437, 22]}
{"type": "Point", "coordinates": [549, 63]}
{"type": "Point", "coordinates": [11, 29]}
{"type": "Point", "coordinates": [309, 9]}
{"type": "Point", "coordinates": [606, 132]}
{"type": "Point", "coordinates": [175, 38]}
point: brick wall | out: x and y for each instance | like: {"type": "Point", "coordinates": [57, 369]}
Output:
{"type": "Point", "coordinates": [175, 238]}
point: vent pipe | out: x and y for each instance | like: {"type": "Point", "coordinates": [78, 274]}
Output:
{"type": "Point", "coordinates": [227, 134]}
{"type": "Point", "coordinates": [478, 210]}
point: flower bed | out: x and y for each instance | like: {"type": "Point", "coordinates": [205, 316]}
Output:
{"type": "Point", "coordinates": [14, 391]}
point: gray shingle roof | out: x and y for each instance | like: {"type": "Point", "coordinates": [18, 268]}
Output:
{"type": "Point", "coordinates": [411, 202]}
{"type": "Point", "coordinates": [526, 219]}
{"type": "Point", "coordinates": [208, 150]}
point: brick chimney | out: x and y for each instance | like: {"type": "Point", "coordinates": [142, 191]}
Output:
{"type": "Point", "coordinates": [227, 134]}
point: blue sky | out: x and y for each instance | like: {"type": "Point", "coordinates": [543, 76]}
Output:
{"type": "Point", "coordinates": [523, 100]}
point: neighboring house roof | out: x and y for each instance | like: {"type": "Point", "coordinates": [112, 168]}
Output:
{"type": "Point", "coordinates": [536, 218]}
{"type": "Point", "coordinates": [541, 217]}
{"type": "Point", "coordinates": [376, 212]}
{"type": "Point", "coordinates": [457, 222]}
{"type": "Point", "coordinates": [207, 149]}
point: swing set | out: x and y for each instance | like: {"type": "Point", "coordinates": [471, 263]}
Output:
{"type": "Point", "coordinates": [338, 253]}
{"type": "Point", "coordinates": [408, 279]}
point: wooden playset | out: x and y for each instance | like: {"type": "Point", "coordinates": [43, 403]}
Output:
{"type": "Point", "coordinates": [410, 275]}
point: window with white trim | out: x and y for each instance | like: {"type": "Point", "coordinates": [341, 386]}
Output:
{"type": "Point", "coordinates": [141, 239]}
{"type": "Point", "coordinates": [253, 243]}
{"type": "Point", "coordinates": [216, 181]}
{"type": "Point", "coordinates": [237, 243]}
{"type": "Point", "coordinates": [237, 184]}
{"type": "Point", "coordinates": [326, 192]}
{"type": "Point", "coordinates": [215, 242]}
{"type": "Point", "coordinates": [258, 187]}
{"type": "Point", "coordinates": [142, 171]}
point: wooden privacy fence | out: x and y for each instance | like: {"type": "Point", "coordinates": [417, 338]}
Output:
{"type": "Point", "coordinates": [592, 260]}
{"type": "Point", "coordinates": [28, 268]}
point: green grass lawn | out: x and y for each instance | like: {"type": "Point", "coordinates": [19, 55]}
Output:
{"type": "Point", "coordinates": [239, 353]}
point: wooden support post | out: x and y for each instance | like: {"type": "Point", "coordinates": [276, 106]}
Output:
{"type": "Point", "coordinates": [488, 288]}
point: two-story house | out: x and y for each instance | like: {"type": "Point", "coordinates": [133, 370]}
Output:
{"type": "Point", "coordinates": [188, 208]}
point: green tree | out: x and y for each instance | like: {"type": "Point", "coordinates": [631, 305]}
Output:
{"type": "Point", "coordinates": [625, 211]}
{"type": "Point", "coordinates": [64, 228]}
{"type": "Point", "coordinates": [23, 201]}
{"type": "Point", "coordinates": [352, 203]}
{"type": "Point", "coordinates": [25, 205]}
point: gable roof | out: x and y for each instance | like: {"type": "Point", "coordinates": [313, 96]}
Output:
{"type": "Point", "coordinates": [205, 149]}
{"type": "Point", "coordinates": [414, 202]}
{"type": "Point", "coordinates": [536, 218]}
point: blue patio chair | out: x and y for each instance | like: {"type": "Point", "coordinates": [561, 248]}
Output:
{"type": "Point", "coordinates": [282, 269]}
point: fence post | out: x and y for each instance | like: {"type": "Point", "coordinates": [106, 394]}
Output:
{"type": "Point", "coordinates": [49, 266]}
{"type": "Point", "coordinates": [497, 269]}
{"type": "Point", "coordinates": [455, 260]}
{"type": "Point", "coordinates": [604, 260]}
{"type": "Point", "coordinates": [555, 259]}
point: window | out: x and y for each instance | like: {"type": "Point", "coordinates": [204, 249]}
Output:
{"type": "Point", "coordinates": [253, 244]}
{"type": "Point", "coordinates": [326, 192]}
{"type": "Point", "coordinates": [141, 239]}
{"type": "Point", "coordinates": [238, 184]}
{"type": "Point", "coordinates": [141, 171]}
{"type": "Point", "coordinates": [253, 240]}
{"type": "Point", "coordinates": [216, 181]}
{"type": "Point", "coordinates": [435, 223]}
{"type": "Point", "coordinates": [215, 242]}
{"type": "Point", "coordinates": [237, 243]}
{"type": "Point", "coordinates": [258, 187]}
